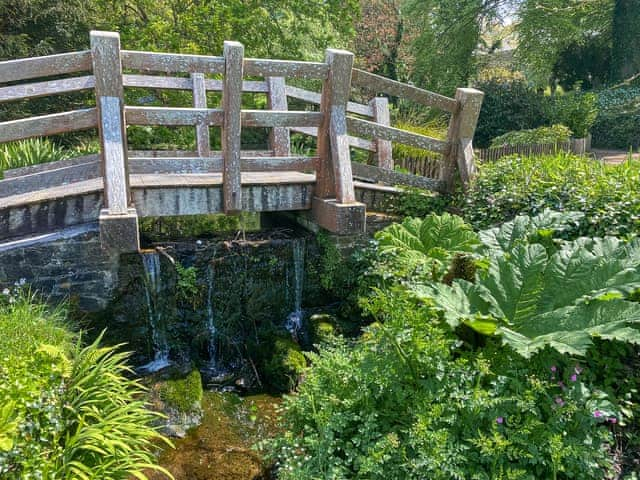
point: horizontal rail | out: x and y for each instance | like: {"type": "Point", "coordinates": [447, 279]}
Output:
{"type": "Point", "coordinates": [48, 125]}
{"type": "Point", "coordinates": [380, 84]}
{"type": "Point", "coordinates": [282, 118]}
{"type": "Point", "coordinates": [316, 98]}
{"type": "Point", "coordinates": [171, 62]}
{"type": "Point", "coordinates": [375, 130]}
{"type": "Point", "coordinates": [213, 164]}
{"type": "Point", "coordinates": [180, 83]}
{"type": "Point", "coordinates": [42, 89]}
{"type": "Point", "coordinates": [356, 142]}
{"type": "Point", "coordinates": [43, 167]}
{"type": "Point", "coordinates": [187, 154]}
{"type": "Point", "coordinates": [257, 67]}
{"type": "Point", "coordinates": [391, 177]}
{"type": "Point", "coordinates": [61, 64]}
{"type": "Point", "coordinates": [173, 116]}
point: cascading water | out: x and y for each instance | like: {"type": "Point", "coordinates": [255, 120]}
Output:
{"type": "Point", "coordinates": [211, 327]}
{"type": "Point", "coordinates": [153, 291]}
{"type": "Point", "coordinates": [293, 323]}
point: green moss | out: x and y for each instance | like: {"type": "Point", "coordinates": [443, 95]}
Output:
{"type": "Point", "coordinates": [285, 365]}
{"type": "Point", "coordinates": [323, 328]}
{"type": "Point", "coordinates": [184, 394]}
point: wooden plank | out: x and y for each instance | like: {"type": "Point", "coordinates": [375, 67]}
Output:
{"type": "Point", "coordinates": [462, 126]}
{"type": "Point", "coordinates": [378, 84]}
{"type": "Point", "coordinates": [391, 177]}
{"type": "Point", "coordinates": [371, 129]}
{"type": "Point", "coordinates": [175, 165]}
{"type": "Point", "coordinates": [61, 64]}
{"type": "Point", "coordinates": [42, 89]}
{"type": "Point", "coordinates": [49, 178]}
{"type": "Point", "coordinates": [248, 86]}
{"type": "Point", "coordinates": [181, 83]}
{"type": "Point", "coordinates": [272, 118]}
{"type": "Point", "coordinates": [232, 126]}
{"type": "Point", "coordinates": [107, 68]}
{"type": "Point", "coordinates": [186, 154]}
{"type": "Point", "coordinates": [171, 62]}
{"type": "Point", "coordinates": [43, 167]}
{"type": "Point", "coordinates": [48, 125]}
{"type": "Point", "coordinates": [384, 150]}
{"type": "Point", "coordinates": [279, 138]}
{"type": "Point", "coordinates": [173, 116]}
{"type": "Point", "coordinates": [356, 142]}
{"type": "Point", "coordinates": [316, 98]}
{"type": "Point", "coordinates": [278, 164]}
{"type": "Point", "coordinates": [202, 128]}
{"type": "Point", "coordinates": [334, 169]}
{"type": "Point", "coordinates": [257, 67]}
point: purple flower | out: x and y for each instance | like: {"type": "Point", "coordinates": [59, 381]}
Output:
{"type": "Point", "coordinates": [560, 401]}
{"type": "Point", "coordinates": [574, 377]}
{"type": "Point", "coordinates": [553, 368]}
{"type": "Point", "coordinates": [561, 384]}
{"type": "Point", "coordinates": [597, 414]}
{"type": "Point", "coordinates": [500, 420]}
{"type": "Point", "coordinates": [613, 420]}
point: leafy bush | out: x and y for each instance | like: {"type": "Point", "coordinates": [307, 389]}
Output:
{"type": "Point", "coordinates": [29, 152]}
{"type": "Point", "coordinates": [508, 106]}
{"type": "Point", "coordinates": [608, 195]}
{"type": "Point", "coordinates": [618, 121]}
{"type": "Point", "coordinates": [536, 296]}
{"type": "Point", "coordinates": [68, 412]}
{"type": "Point", "coordinates": [538, 136]}
{"type": "Point", "coordinates": [576, 110]}
{"type": "Point", "coordinates": [405, 403]}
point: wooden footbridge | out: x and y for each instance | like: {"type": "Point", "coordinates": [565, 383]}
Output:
{"type": "Point", "coordinates": [117, 185]}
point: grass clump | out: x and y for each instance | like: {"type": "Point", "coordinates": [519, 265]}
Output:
{"type": "Point", "coordinates": [537, 136]}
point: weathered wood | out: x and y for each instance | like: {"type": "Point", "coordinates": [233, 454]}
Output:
{"type": "Point", "coordinates": [200, 101]}
{"type": "Point", "coordinates": [61, 64]}
{"type": "Point", "coordinates": [378, 84]}
{"type": "Point", "coordinates": [181, 83]}
{"type": "Point", "coordinates": [187, 154]}
{"type": "Point", "coordinates": [42, 89]}
{"type": "Point", "coordinates": [316, 99]}
{"type": "Point", "coordinates": [279, 164]}
{"type": "Point", "coordinates": [173, 116]}
{"type": "Point", "coordinates": [171, 62]}
{"type": "Point", "coordinates": [49, 178]}
{"type": "Point", "coordinates": [371, 129]}
{"type": "Point", "coordinates": [356, 142]}
{"type": "Point", "coordinates": [182, 165]}
{"type": "Point", "coordinates": [43, 167]}
{"type": "Point", "coordinates": [384, 150]}
{"type": "Point", "coordinates": [334, 169]}
{"type": "Point", "coordinates": [462, 127]}
{"type": "Point", "coordinates": [107, 68]}
{"type": "Point", "coordinates": [48, 125]}
{"type": "Point", "coordinates": [390, 177]}
{"type": "Point", "coordinates": [257, 67]}
{"type": "Point", "coordinates": [232, 126]}
{"type": "Point", "coordinates": [272, 118]}
{"type": "Point", "coordinates": [340, 218]}
{"type": "Point", "coordinates": [279, 138]}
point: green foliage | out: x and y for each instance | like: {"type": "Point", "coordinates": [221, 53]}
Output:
{"type": "Point", "coordinates": [536, 296]}
{"type": "Point", "coordinates": [29, 152]}
{"type": "Point", "coordinates": [197, 226]}
{"type": "Point", "coordinates": [608, 195]}
{"type": "Point", "coordinates": [67, 412]}
{"type": "Point", "coordinates": [576, 110]}
{"type": "Point", "coordinates": [415, 202]}
{"type": "Point", "coordinates": [508, 106]}
{"type": "Point", "coordinates": [537, 136]}
{"type": "Point", "coordinates": [433, 129]}
{"type": "Point", "coordinates": [187, 290]}
{"type": "Point", "coordinates": [183, 394]}
{"type": "Point", "coordinates": [618, 121]}
{"type": "Point", "coordinates": [286, 364]}
{"type": "Point", "coordinates": [405, 403]}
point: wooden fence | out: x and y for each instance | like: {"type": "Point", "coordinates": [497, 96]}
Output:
{"type": "Point", "coordinates": [337, 122]}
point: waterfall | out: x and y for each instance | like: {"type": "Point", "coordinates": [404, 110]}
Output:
{"type": "Point", "coordinates": [153, 293]}
{"type": "Point", "coordinates": [211, 327]}
{"type": "Point", "coordinates": [294, 319]}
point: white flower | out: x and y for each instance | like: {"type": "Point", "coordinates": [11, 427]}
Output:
{"type": "Point", "coordinates": [5, 291]}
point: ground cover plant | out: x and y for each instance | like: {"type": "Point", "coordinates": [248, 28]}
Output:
{"type": "Point", "coordinates": [68, 411]}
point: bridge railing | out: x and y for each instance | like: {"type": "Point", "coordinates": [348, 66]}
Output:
{"type": "Point", "coordinates": [338, 123]}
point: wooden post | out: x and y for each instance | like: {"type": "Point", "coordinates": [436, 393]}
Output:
{"type": "Point", "coordinates": [118, 223]}
{"type": "Point", "coordinates": [462, 127]}
{"type": "Point", "coordinates": [279, 138]}
{"type": "Point", "coordinates": [384, 152]}
{"type": "Point", "coordinates": [334, 177]}
{"type": "Point", "coordinates": [232, 103]}
{"type": "Point", "coordinates": [202, 128]}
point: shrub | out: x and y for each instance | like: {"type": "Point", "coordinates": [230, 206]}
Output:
{"type": "Point", "coordinates": [608, 195]}
{"type": "Point", "coordinates": [618, 121]}
{"type": "Point", "coordinates": [507, 106]}
{"type": "Point", "coordinates": [72, 410]}
{"type": "Point", "coordinates": [538, 136]}
{"type": "Point", "coordinates": [576, 110]}
{"type": "Point", "coordinates": [405, 403]}
{"type": "Point", "coordinates": [29, 152]}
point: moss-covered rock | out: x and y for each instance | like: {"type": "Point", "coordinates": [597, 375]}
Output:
{"type": "Point", "coordinates": [282, 371]}
{"type": "Point", "coordinates": [183, 394]}
{"type": "Point", "coordinates": [322, 328]}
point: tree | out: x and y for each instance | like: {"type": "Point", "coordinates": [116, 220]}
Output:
{"type": "Point", "coordinates": [626, 39]}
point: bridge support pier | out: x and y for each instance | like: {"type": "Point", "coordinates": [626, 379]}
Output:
{"type": "Point", "coordinates": [340, 218]}
{"type": "Point", "coordinates": [119, 232]}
